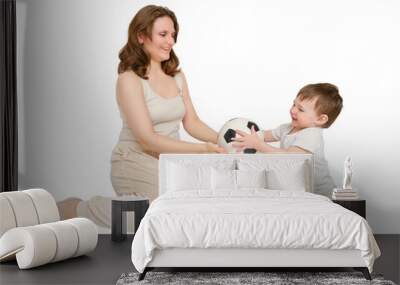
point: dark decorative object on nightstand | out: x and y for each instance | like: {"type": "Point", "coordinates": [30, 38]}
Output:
{"type": "Point", "coordinates": [357, 206]}
{"type": "Point", "coordinates": [119, 209]}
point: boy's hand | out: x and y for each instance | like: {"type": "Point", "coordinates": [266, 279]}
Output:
{"type": "Point", "coordinates": [245, 140]}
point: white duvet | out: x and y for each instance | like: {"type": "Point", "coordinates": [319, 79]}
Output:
{"type": "Point", "coordinates": [250, 219]}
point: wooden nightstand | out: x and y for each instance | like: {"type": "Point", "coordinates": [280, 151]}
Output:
{"type": "Point", "coordinates": [357, 206]}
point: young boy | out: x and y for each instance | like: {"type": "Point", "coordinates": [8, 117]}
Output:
{"type": "Point", "coordinates": [315, 107]}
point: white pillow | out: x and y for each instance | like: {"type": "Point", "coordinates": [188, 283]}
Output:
{"type": "Point", "coordinates": [293, 179]}
{"type": "Point", "coordinates": [182, 177]}
{"type": "Point", "coordinates": [281, 174]}
{"type": "Point", "coordinates": [236, 179]}
{"type": "Point", "coordinates": [223, 179]}
{"type": "Point", "coordinates": [251, 178]}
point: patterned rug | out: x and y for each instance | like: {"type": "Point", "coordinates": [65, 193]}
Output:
{"type": "Point", "coordinates": [243, 278]}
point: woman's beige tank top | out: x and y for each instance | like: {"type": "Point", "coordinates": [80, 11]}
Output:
{"type": "Point", "coordinates": [166, 114]}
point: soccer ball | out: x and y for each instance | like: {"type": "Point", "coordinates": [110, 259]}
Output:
{"type": "Point", "coordinates": [227, 133]}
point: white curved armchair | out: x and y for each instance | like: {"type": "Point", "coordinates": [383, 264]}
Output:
{"type": "Point", "coordinates": [31, 232]}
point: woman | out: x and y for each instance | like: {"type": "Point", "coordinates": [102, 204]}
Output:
{"type": "Point", "coordinates": [153, 99]}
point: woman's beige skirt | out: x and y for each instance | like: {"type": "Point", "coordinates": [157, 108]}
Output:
{"type": "Point", "coordinates": [133, 173]}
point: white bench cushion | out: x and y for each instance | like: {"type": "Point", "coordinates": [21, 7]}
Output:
{"type": "Point", "coordinates": [45, 205]}
{"type": "Point", "coordinates": [31, 232]}
{"type": "Point", "coordinates": [7, 220]}
{"type": "Point", "coordinates": [40, 244]}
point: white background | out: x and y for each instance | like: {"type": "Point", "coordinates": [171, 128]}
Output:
{"type": "Point", "coordinates": [241, 58]}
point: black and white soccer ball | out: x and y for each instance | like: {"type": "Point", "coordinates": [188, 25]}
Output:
{"type": "Point", "coordinates": [227, 133]}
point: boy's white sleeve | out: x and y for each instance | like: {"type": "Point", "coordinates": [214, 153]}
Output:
{"type": "Point", "coordinates": [277, 133]}
{"type": "Point", "coordinates": [309, 139]}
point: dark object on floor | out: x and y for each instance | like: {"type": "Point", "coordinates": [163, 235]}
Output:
{"type": "Point", "coordinates": [119, 209]}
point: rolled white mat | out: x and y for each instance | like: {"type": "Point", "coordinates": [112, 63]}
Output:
{"type": "Point", "coordinates": [87, 234]}
{"type": "Point", "coordinates": [7, 218]}
{"type": "Point", "coordinates": [33, 246]}
{"type": "Point", "coordinates": [45, 205]}
{"type": "Point", "coordinates": [23, 208]}
{"type": "Point", "coordinates": [67, 239]}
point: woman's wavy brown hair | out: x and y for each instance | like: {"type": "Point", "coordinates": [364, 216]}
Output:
{"type": "Point", "coordinates": [132, 56]}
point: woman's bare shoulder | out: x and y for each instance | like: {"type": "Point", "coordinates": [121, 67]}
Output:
{"type": "Point", "coordinates": [128, 77]}
{"type": "Point", "coordinates": [128, 83]}
{"type": "Point", "coordinates": [180, 74]}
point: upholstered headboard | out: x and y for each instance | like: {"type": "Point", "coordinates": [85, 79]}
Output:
{"type": "Point", "coordinates": [281, 163]}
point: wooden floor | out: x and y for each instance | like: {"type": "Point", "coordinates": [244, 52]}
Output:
{"type": "Point", "coordinates": [111, 259]}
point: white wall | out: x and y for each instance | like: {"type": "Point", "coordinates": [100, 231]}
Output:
{"type": "Point", "coordinates": [246, 58]}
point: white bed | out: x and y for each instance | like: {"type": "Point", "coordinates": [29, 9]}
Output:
{"type": "Point", "coordinates": [231, 211]}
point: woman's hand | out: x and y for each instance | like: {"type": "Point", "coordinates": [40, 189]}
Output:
{"type": "Point", "coordinates": [245, 140]}
{"type": "Point", "coordinates": [214, 148]}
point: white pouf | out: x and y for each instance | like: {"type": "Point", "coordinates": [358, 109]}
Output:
{"type": "Point", "coordinates": [31, 232]}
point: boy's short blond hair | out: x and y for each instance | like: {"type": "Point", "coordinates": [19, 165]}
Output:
{"type": "Point", "coordinates": [328, 100]}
